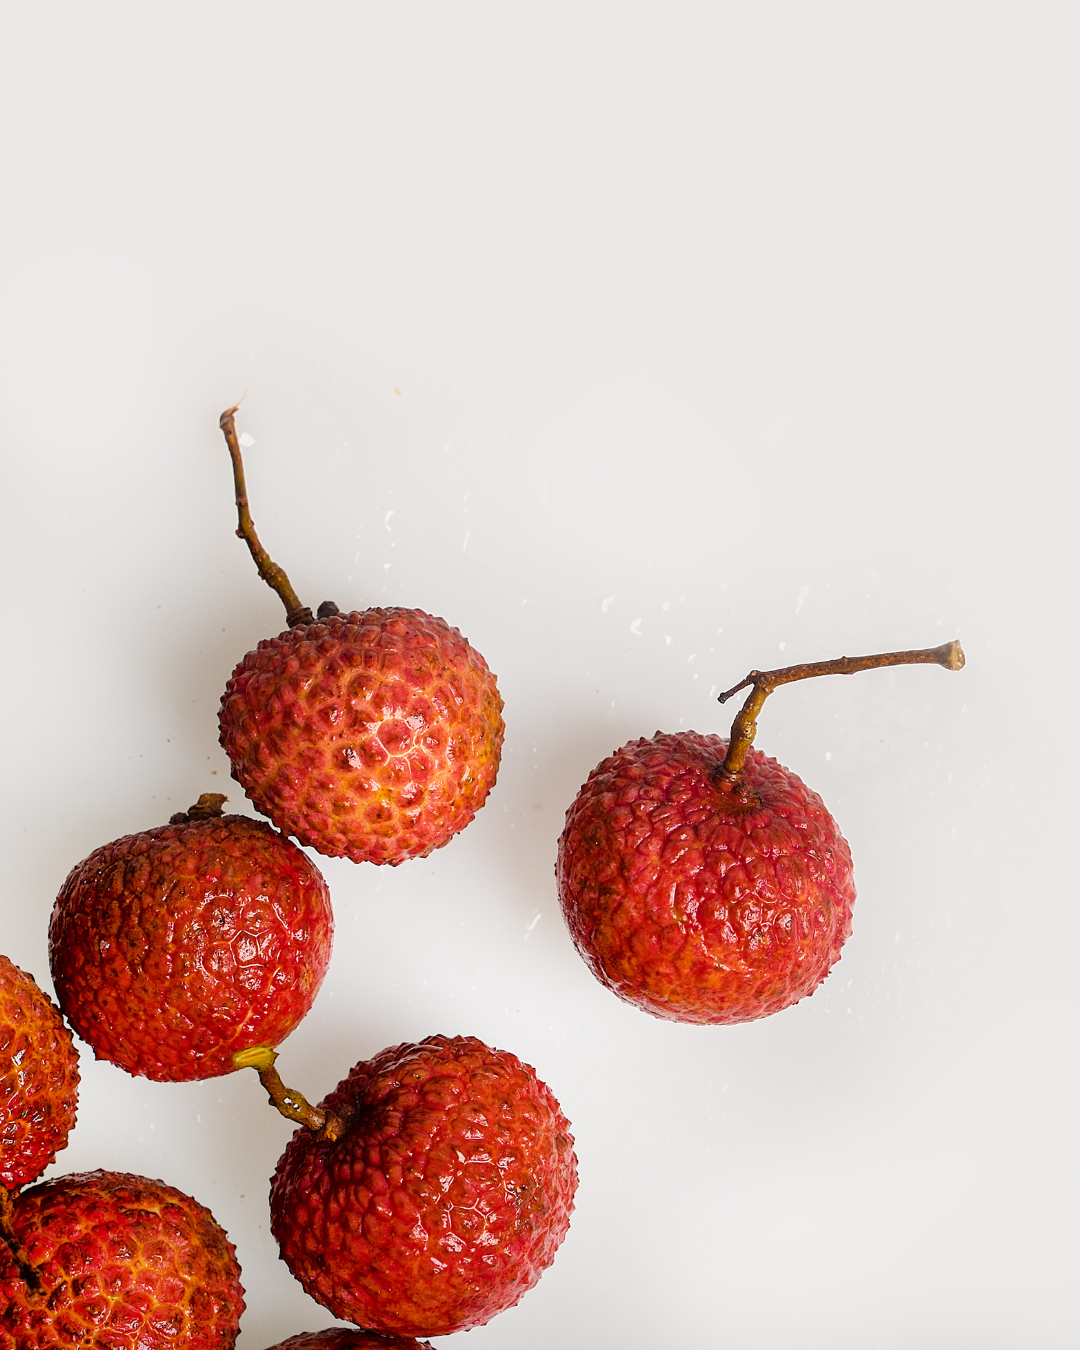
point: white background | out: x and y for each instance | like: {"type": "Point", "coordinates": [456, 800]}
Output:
{"type": "Point", "coordinates": [646, 344]}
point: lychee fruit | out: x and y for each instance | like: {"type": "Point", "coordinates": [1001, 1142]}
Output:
{"type": "Point", "coordinates": [703, 882]}
{"type": "Point", "coordinates": [126, 1263]}
{"type": "Point", "coordinates": [373, 735]}
{"type": "Point", "coordinates": [39, 1078]}
{"type": "Point", "coordinates": [439, 1199]}
{"type": "Point", "coordinates": [342, 1338]}
{"type": "Point", "coordinates": [175, 948]}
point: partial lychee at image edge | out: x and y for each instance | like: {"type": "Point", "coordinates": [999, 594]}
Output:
{"type": "Point", "coordinates": [39, 1078]}
{"type": "Point", "coordinates": [123, 1261]}
{"type": "Point", "coordinates": [431, 1190]}
{"type": "Point", "coordinates": [342, 1338]}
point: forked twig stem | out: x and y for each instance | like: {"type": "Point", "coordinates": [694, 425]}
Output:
{"type": "Point", "coordinates": [27, 1271]}
{"type": "Point", "coordinates": [271, 573]}
{"type": "Point", "coordinates": [744, 728]}
{"type": "Point", "coordinates": [292, 1105]}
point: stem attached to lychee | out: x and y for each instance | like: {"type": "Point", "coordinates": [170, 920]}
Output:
{"type": "Point", "coordinates": [27, 1272]}
{"type": "Point", "coordinates": [271, 573]}
{"type": "Point", "coordinates": [744, 728]}
{"type": "Point", "coordinates": [208, 807]}
{"type": "Point", "coordinates": [292, 1105]}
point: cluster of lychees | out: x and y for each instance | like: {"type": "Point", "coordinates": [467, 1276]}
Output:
{"type": "Point", "coordinates": [429, 1191]}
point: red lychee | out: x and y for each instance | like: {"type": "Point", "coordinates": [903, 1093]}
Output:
{"type": "Point", "coordinates": [443, 1198]}
{"type": "Point", "coordinates": [373, 735]}
{"type": "Point", "coordinates": [703, 882]}
{"type": "Point", "coordinates": [126, 1263]}
{"type": "Point", "coordinates": [690, 908]}
{"type": "Point", "coordinates": [173, 949]}
{"type": "Point", "coordinates": [39, 1079]}
{"type": "Point", "coordinates": [341, 1338]}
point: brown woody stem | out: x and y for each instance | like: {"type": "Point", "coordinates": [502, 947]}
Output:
{"type": "Point", "coordinates": [208, 807]}
{"type": "Point", "coordinates": [27, 1272]}
{"type": "Point", "coordinates": [271, 573]}
{"type": "Point", "coordinates": [292, 1105]}
{"type": "Point", "coordinates": [744, 728]}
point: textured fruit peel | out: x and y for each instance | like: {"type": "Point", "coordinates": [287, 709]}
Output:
{"type": "Point", "coordinates": [342, 1338]}
{"type": "Point", "coordinates": [39, 1079]}
{"type": "Point", "coordinates": [175, 948]}
{"type": "Point", "coordinates": [444, 1201]}
{"type": "Point", "coordinates": [127, 1264]}
{"type": "Point", "coordinates": [693, 909]}
{"type": "Point", "coordinates": [374, 736]}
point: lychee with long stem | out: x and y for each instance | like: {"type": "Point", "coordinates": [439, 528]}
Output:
{"type": "Point", "coordinates": [373, 735]}
{"type": "Point", "coordinates": [703, 882]}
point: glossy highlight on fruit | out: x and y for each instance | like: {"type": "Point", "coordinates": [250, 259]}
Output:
{"type": "Point", "coordinates": [127, 1264]}
{"type": "Point", "coordinates": [444, 1198]}
{"type": "Point", "coordinates": [175, 948]}
{"type": "Point", "coordinates": [39, 1078]}
{"type": "Point", "coordinates": [696, 906]}
{"type": "Point", "coordinates": [374, 736]}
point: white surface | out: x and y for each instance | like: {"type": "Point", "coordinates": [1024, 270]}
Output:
{"type": "Point", "coordinates": [646, 344]}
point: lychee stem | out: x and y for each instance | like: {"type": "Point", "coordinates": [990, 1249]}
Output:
{"type": "Point", "coordinates": [292, 1105]}
{"type": "Point", "coordinates": [208, 807]}
{"type": "Point", "coordinates": [744, 728]}
{"type": "Point", "coordinates": [27, 1272]}
{"type": "Point", "coordinates": [271, 573]}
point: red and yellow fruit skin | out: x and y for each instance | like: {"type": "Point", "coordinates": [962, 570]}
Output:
{"type": "Point", "coordinates": [341, 1338]}
{"type": "Point", "coordinates": [175, 948]}
{"type": "Point", "coordinates": [39, 1079]}
{"type": "Point", "coordinates": [127, 1264]}
{"type": "Point", "coordinates": [691, 906]}
{"type": "Point", "coordinates": [373, 736]}
{"type": "Point", "coordinates": [445, 1199]}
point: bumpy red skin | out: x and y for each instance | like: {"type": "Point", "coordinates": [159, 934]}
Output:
{"type": "Point", "coordinates": [373, 736]}
{"type": "Point", "coordinates": [340, 1338]}
{"type": "Point", "coordinates": [39, 1079]}
{"type": "Point", "coordinates": [445, 1199]}
{"type": "Point", "coordinates": [175, 948]}
{"type": "Point", "coordinates": [127, 1264]}
{"type": "Point", "coordinates": [691, 907]}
